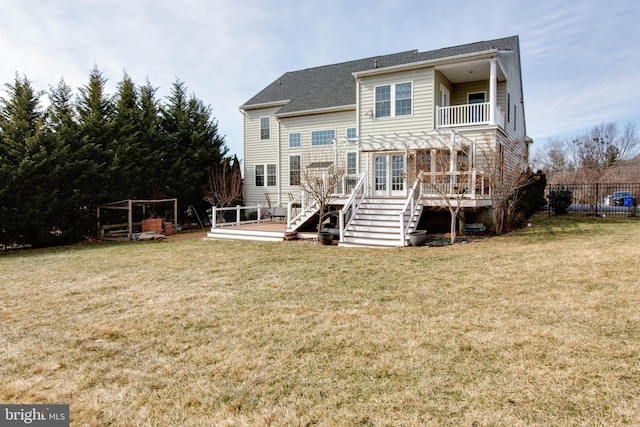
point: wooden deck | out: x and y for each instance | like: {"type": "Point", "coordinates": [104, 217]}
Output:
{"type": "Point", "coordinates": [271, 231]}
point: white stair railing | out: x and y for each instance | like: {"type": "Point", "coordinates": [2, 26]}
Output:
{"type": "Point", "coordinates": [305, 213]}
{"type": "Point", "coordinates": [410, 207]}
{"type": "Point", "coordinates": [353, 203]}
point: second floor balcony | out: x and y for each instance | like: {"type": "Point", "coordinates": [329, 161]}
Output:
{"type": "Point", "coordinates": [469, 115]}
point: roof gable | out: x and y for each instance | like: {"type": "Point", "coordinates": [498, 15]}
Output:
{"type": "Point", "coordinates": [332, 86]}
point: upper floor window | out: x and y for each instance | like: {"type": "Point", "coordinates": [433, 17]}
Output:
{"type": "Point", "coordinates": [322, 137]}
{"type": "Point", "coordinates": [264, 127]}
{"type": "Point", "coordinates": [403, 99]}
{"type": "Point", "coordinates": [394, 100]}
{"type": "Point", "coordinates": [294, 139]}
{"type": "Point", "coordinates": [351, 133]}
{"type": "Point", "coordinates": [383, 101]}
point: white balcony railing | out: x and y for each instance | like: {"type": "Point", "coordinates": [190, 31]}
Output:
{"type": "Point", "coordinates": [467, 114]}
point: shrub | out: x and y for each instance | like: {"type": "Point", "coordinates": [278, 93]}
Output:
{"type": "Point", "coordinates": [560, 199]}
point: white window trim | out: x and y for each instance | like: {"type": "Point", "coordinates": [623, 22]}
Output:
{"type": "Point", "coordinates": [393, 100]}
{"type": "Point", "coordinates": [299, 137]}
{"type": "Point", "coordinates": [322, 130]}
{"type": "Point", "coordinates": [299, 170]}
{"type": "Point", "coordinates": [261, 128]}
{"type": "Point", "coordinates": [265, 174]}
{"type": "Point", "coordinates": [255, 175]}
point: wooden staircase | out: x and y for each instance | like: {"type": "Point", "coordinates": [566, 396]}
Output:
{"type": "Point", "coordinates": [377, 223]}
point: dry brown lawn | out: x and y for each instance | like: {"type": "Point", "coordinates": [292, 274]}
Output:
{"type": "Point", "coordinates": [539, 327]}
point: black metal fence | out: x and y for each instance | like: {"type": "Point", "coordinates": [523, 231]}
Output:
{"type": "Point", "coordinates": [619, 200]}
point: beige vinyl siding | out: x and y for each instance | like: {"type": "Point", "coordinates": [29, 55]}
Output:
{"type": "Point", "coordinates": [259, 152]}
{"type": "Point", "coordinates": [486, 142]}
{"type": "Point", "coordinates": [513, 86]}
{"type": "Point", "coordinates": [441, 80]}
{"type": "Point", "coordinates": [461, 91]}
{"type": "Point", "coordinates": [305, 125]}
{"type": "Point", "coordinates": [421, 117]}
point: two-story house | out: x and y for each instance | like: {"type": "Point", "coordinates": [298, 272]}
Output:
{"type": "Point", "coordinates": [414, 129]}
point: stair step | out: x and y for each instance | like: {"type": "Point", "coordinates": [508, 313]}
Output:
{"type": "Point", "coordinates": [235, 234]}
{"type": "Point", "coordinates": [371, 243]}
{"type": "Point", "coordinates": [376, 217]}
{"type": "Point", "coordinates": [376, 235]}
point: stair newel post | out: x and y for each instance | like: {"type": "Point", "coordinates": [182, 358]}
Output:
{"type": "Point", "coordinates": [402, 235]}
{"type": "Point", "coordinates": [341, 225]}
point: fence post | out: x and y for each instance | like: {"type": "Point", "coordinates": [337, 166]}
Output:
{"type": "Point", "coordinates": [597, 200]}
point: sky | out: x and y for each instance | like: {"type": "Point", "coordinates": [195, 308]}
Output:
{"type": "Point", "coordinates": [580, 60]}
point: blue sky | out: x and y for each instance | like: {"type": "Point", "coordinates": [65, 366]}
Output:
{"type": "Point", "coordinates": [580, 60]}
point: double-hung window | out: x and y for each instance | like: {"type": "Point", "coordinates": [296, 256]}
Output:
{"type": "Point", "coordinates": [265, 175]}
{"type": "Point", "coordinates": [351, 163]}
{"type": "Point", "coordinates": [271, 176]}
{"type": "Point", "coordinates": [394, 100]}
{"type": "Point", "coordinates": [403, 99]}
{"type": "Point", "coordinates": [383, 101]}
{"type": "Point", "coordinates": [294, 170]}
{"type": "Point", "coordinates": [259, 175]}
{"type": "Point", "coordinates": [264, 128]}
{"type": "Point", "coordinates": [323, 137]}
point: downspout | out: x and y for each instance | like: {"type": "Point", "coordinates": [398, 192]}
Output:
{"type": "Point", "coordinates": [278, 164]}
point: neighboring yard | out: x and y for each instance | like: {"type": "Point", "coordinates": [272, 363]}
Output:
{"type": "Point", "coordinates": [540, 327]}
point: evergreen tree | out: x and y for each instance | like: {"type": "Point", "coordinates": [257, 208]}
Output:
{"type": "Point", "coordinates": [56, 166]}
{"type": "Point", "coordinates": [153, 145]}
{"type": "Point", "coordinates": [22, 180]}
{"type": "Point", "coordinates": [193, 146]}
{"type": "Point", "coordinates": [73, 187]}
{"type": "Point", "coordinates": [95, 114]}
{"type": "Point", "coordinates": [127, 171]}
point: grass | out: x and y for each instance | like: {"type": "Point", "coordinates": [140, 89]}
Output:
{"type": "Point", "coordinates": [539, 327]}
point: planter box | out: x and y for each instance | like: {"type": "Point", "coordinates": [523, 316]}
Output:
{"type": "Point", "coordinates": [152, 224]}
{"type": "Point", "coordinates": [169, 229]}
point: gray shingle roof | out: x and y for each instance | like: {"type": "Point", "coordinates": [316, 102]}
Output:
{"type": "Point", "coordinates": [334, 85]}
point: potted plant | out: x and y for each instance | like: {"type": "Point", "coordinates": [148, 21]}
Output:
{"type": "Point", "coordinates": [417, 237]}
{"type": "Point", "coordinates": [325, 237]}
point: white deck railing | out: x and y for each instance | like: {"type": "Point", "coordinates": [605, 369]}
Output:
{"type": "Point", "coordinates": [454, 184]}
{"type": "Point", "coordinates": [245, 215]}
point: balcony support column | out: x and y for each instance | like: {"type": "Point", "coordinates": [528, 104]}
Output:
{"type": "Point", "coordinates": [493, 91]}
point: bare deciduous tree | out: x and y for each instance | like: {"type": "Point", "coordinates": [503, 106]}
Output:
{"type": "Point", "coordinates": [506, 182]}
{"type": "Point", "coordinates": [595, 156]}
{"type": "Point", "coordinates": [320, 179]}
{"type": "Point", "coordinates": [446, 175]}
{"type": "Point", "coordinates": [225, 184]}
